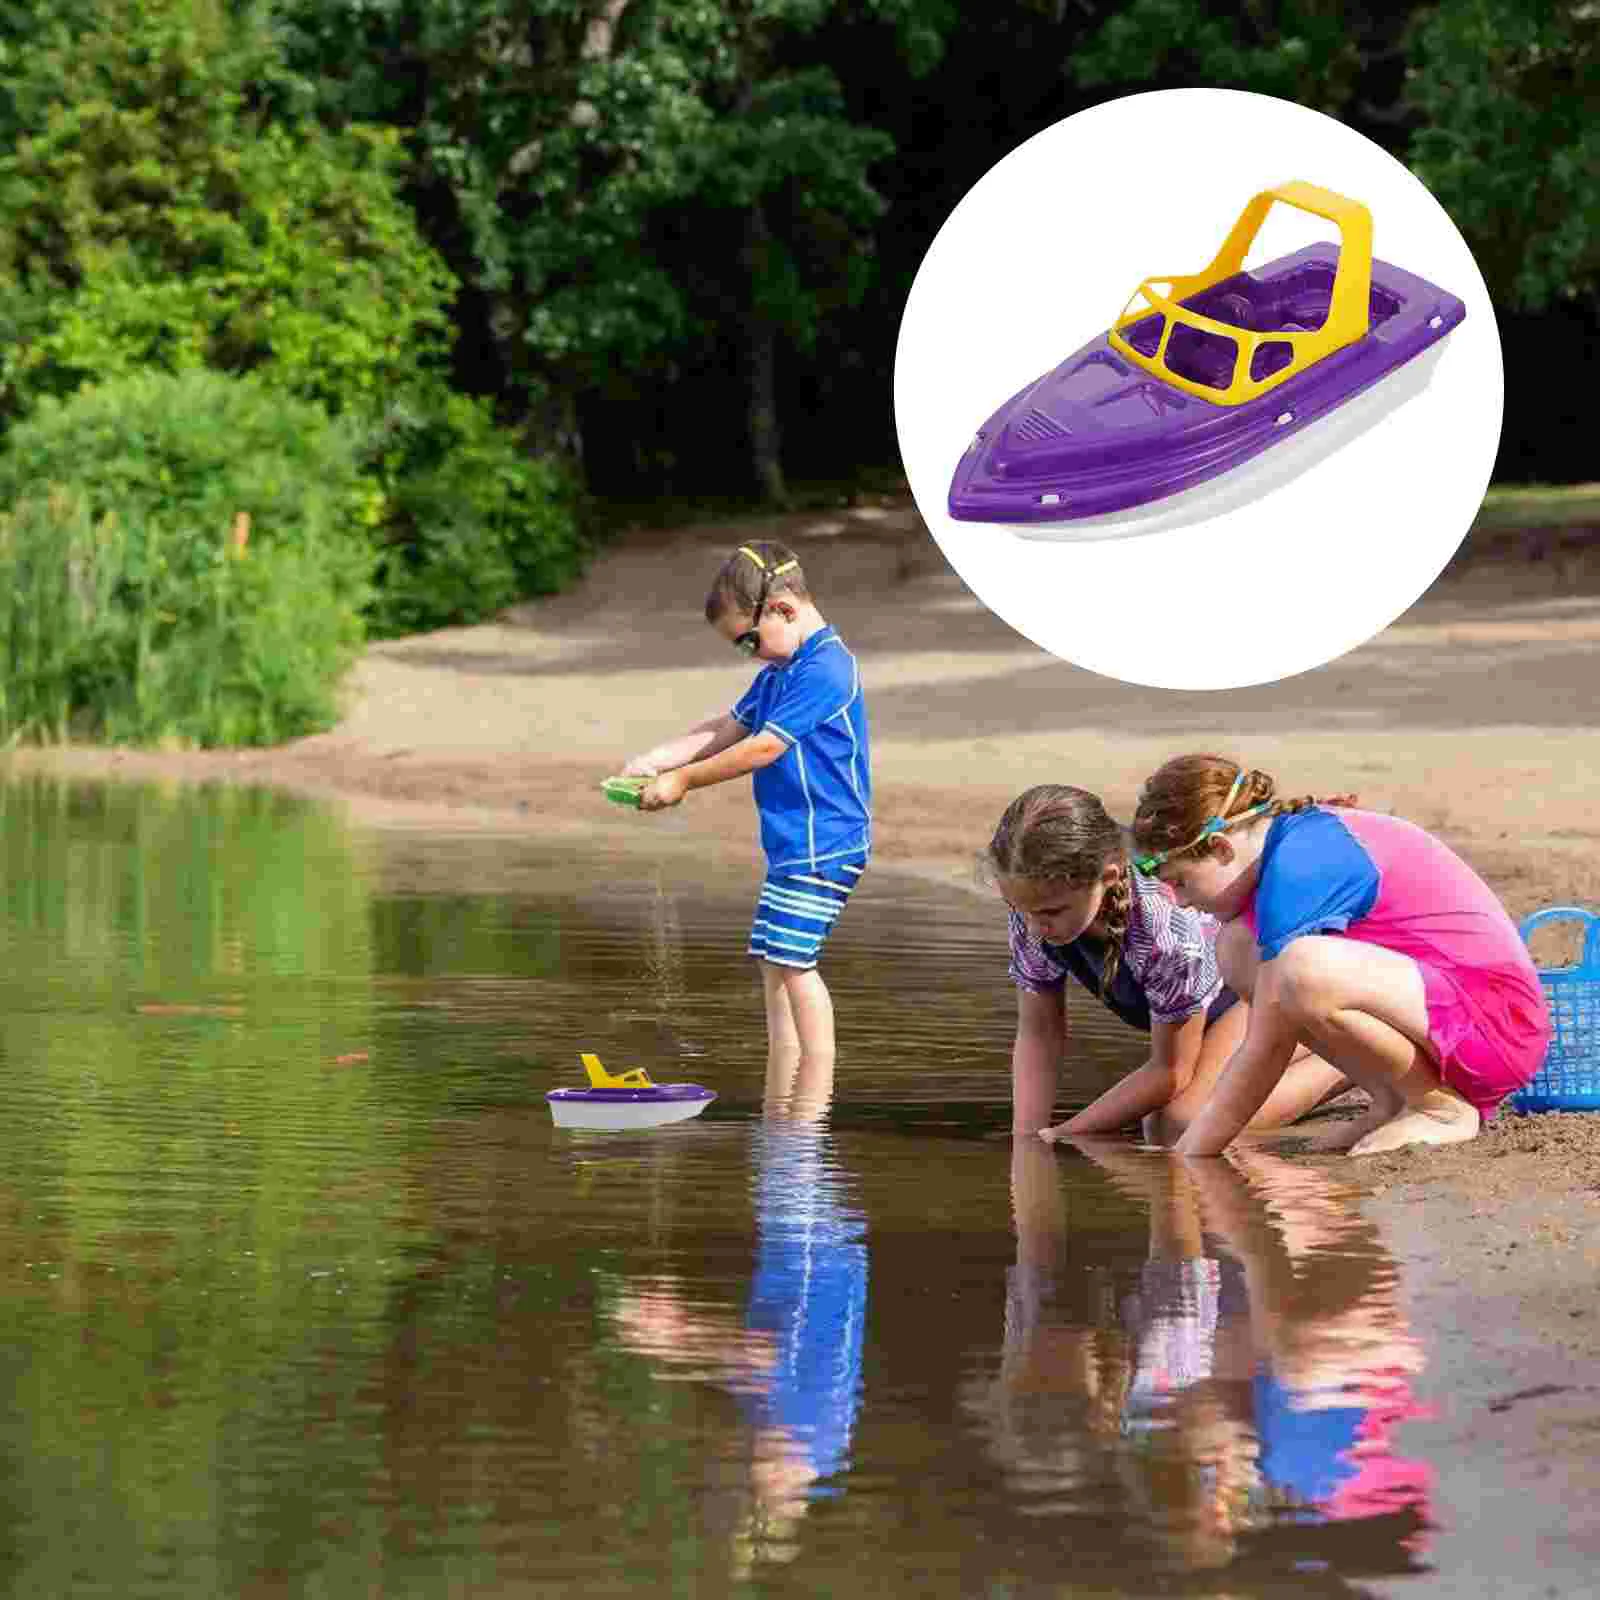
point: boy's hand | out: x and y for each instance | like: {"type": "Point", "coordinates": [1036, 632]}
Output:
{"type": "Point", "coordinates": [666, 790]}
{"type": "Point", "coordinates": [639, 767]}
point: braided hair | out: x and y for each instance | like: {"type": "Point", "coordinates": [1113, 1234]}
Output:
{"type": "Point", "coordinates": [738, 584]}
{"type": "Point", "coordinates": [1179, 798]}
{"type": "Point", "coordinates": [1055, 833]}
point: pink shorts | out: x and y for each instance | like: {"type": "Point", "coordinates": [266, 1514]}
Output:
{"type": "Point", "coordinates": [1490, 1039]}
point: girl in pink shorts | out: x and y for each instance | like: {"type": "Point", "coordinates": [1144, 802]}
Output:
{"type": "Point", "coordinates": [1358, 935]}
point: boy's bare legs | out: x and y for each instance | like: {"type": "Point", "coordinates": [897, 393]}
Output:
{"type": "Point", "coordinates": [783, 1038]}
{"type": "Point", "coordinates": [799, 1033]}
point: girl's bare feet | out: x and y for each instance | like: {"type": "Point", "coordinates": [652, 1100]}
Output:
{"type": "Point", "coordinates": [1441, 1117]}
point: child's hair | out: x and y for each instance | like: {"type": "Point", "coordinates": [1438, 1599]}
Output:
{"type": "Point", "coordinates": [1180, 798]}
{"type": "Point", "coordinates": [1054, 832]}
{"type": "Point", "coordinates": [737, 587]}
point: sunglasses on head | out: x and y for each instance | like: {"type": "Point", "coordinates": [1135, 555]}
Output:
{"type": "Point", "coordinates": [749, 642]}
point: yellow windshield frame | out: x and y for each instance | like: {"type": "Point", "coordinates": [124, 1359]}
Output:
{"type": "Point", "coordinates": [1348, 309]}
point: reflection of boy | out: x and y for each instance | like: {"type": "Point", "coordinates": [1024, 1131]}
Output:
{"type": "Point", "coordinates": [809, 1293]}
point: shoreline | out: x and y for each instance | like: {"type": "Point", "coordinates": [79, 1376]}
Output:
{"type": "Point", "coordinates": [1472, 714]}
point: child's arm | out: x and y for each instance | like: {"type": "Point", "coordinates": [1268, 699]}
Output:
{"type": "Point", "coordinates": [703, 739]}
{"type": "Point", "coordinates": [1036, 1058]}
{"type": "Point", "coordinates": [1174, 1053]}
{"type": "Point", "coordinates": [759, 750]}
{"type": "Point", "coordinates": [1252, 1072]}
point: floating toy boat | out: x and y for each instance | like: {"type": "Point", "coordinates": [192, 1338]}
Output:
{"type": "Point", "coordinates": [1202, 373]}
{"type": "Point", "coordinates": [624, 791]}
{"type": "Point", "coordinates": [626, 1100]}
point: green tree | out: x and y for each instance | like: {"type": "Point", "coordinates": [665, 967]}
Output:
{"type": "Point", "coordinates": [588, 153]}
{"type": "Point", "coordinates": [1307, 50]}
{"type": "Point", "coordinates": [150, 218]}
{"type": "Point", "coordinates": [169, 202]}
{"type": "Point", "coordinates": [1493, 103]}
{"type": "Point", "coordinates": [1510, 143]}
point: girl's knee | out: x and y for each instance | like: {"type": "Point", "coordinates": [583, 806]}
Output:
{"type": "Point", "coordinates": [1301, 986]}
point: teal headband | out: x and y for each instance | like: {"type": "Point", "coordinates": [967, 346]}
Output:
{"type": "Point", "coordinates": [1149, 865]}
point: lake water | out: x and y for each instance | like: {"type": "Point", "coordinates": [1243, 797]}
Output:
{"type": "Point", "coordinates": [306, 1295]}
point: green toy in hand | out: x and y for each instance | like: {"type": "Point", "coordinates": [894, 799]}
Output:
{"type": "Point", "coordinates": [624, 791]}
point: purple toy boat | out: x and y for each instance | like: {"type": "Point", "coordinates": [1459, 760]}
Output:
{"type": "Point", "coordinates": [625, 1100]}
{"type": "Point", "coordinates": [1198, 379]}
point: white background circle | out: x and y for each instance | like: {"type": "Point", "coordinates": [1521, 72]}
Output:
{"type": "Point", "coordinates": [1042, 254]}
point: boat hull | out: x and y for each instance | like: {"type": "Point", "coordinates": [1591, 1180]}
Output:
{"type": "Point", "coordinates": [1098, 434]}
{"type": "Point", "coordinates": [612, 1110]}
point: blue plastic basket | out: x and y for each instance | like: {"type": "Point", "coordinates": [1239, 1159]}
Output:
{"type": "Point", "coordinates": [1569, 1080]}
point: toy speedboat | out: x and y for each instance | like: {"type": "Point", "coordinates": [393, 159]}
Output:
{"type": "Point", "coordinates": [625, 1100]}
{"type": "Point", "coordinates": [1192, 382]}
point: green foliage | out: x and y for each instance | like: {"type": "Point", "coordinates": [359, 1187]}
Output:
{"type": "Point", "coordinates": [148, 218]}
{"type": "Point", "coordinates": [580, 143]}
{"type": "Point", "coordinates": [1496, 116]}
{"type": "Point", "coordinates": [1305, 50]}
{"type": "Point", "coordinates": [1511, 140]}
{"type": "Point", "coordinates": [128, 610]}
{"type": "Point", "coordinates": [473, 521]}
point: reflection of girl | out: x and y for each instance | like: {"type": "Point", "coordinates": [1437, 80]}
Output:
{"type": "Point", "coordinates": [1271, 1364]}
{"type": "Point", "coordinates": [1053, 1408]}
{"type": "Point", "coordinates": [1335, 1360]}
{"type": "Point", "coordinates": [1190, 1454]}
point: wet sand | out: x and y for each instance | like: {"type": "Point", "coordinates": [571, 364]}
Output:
{"type": "Point", "coordinates": [1474, 715]}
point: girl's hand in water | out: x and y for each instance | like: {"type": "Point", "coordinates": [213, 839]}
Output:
{"type": "Point", "coordinates": [666, 790]}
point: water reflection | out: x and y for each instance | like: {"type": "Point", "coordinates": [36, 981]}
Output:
{"type": "Point", "coordinates": [794, 1359]}
{"type": "Point", "coordinates": [303, 1292]}
{"type": "Point", "coordinates": [1241, 1385]}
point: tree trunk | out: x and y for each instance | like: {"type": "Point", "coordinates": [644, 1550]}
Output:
{"type": "Point", "coordinates": [761, 370]}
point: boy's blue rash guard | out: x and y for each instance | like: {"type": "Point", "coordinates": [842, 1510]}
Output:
{"type": "Point", "coordinates": [1316, 877]}
{"type": "Point", "coordinates": [815, 800]}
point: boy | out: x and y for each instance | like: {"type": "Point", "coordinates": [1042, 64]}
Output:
{"type": "Point", "coordinates": [801, 728]}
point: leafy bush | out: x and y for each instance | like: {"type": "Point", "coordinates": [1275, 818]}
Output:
{"type": "Point", "coordinates": [472, 521]}
{"type": "Point", "coordinates": [150, 219]}
{"type": "Point", "coordinates": [137, 606]}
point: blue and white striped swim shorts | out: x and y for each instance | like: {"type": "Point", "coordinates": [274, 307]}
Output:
{"type": "Point", "coordinates": [797, 911]}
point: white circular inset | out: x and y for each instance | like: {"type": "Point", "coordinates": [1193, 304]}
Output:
{"type": "Point", "coordinates": [1312, 547]}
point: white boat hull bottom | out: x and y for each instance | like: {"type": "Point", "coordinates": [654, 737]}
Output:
{"type": "Point", "coordinates": [620, 1117]}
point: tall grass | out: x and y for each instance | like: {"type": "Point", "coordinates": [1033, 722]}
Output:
{"type": "Point", "coordinates": [142, 632]}
{"type": "Point", "coordinates": [182, 559]}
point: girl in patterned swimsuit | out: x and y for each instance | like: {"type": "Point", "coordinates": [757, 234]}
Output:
{"type": "Point", "coordinates": [1078, 909]}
